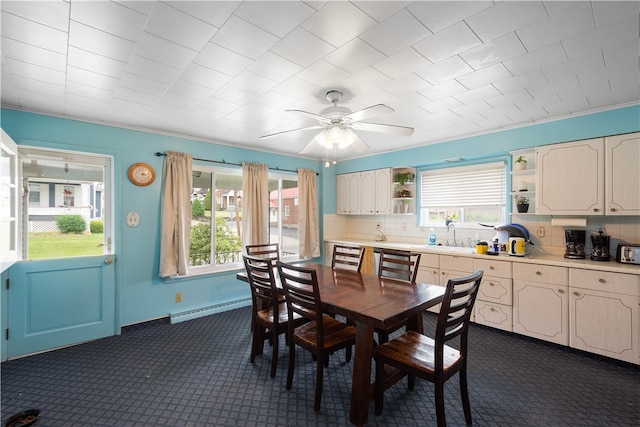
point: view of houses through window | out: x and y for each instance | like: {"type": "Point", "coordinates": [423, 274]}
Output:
{"type": "Point", "coordinates": [217, 209]}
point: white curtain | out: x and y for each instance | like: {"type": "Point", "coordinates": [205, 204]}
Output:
{"type": "Point", "coordinates": [255, 204]}
{"type": "Point", "coordinates": [175, 233]}
{"type": "Point", "coordinates": [308, 223]}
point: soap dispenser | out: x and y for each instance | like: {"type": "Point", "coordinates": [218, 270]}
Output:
{"type": "Point", "coordinates": [432, 238]}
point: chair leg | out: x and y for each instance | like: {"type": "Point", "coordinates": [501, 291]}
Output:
{"type": "Point", "coordinates": [274, 354]}
{"type": "Point", "coordinates": [348, 352]}
{"type": "Point", "coordinates": [319, 377]}
{"type": "Point", "coordinates": [464, 394]}
{"type": "Point", "coordinates": [256, 342]}
{"type": "Point", "coordinates": [440, 404]}
{"type": "Point", "coordinates": [292, 363]}
{"type": "Point", "coordinates": [379, 387]}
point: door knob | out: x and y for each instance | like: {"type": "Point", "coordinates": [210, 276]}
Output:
{"type": "Point", "coordinates": [108, 261]}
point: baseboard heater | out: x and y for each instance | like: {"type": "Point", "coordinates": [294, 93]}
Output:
{"type": "Point", "coordinates": [210, 309]}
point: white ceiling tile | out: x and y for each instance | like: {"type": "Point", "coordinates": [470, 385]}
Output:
{"type": "Point", "coordinates": [396, 33]}
{"type": "Point", "coordinates": [179, 27]}
{"type": "Point", "coordinates": [404, 62]}
{"type": "Point", "coordinates": [87, 92]}
{"type": "Point", "coordinates": [575, 21]}
{"type": "Point", "coordinates": [130, 95]}
{"type": "Point", "coordinates": [559, 70]}
{"type": "Point", "coordinates": [477, 95]}
{"type": "Point", "coordinates": [143, 85]}
{"type": "Point", "coordinates": [223, 60]}
{"type": "Point", "coordinates": [366, 79]}
{"type": "Point", "coordinates": [97, 63]}
{"type": "Point", "coordinates": [219, 105]}
{"type": "Point", "coordinates": [207, 114]}
{"type": "Point", "coordinates": [505, 17]}
{"type": "Point", "coordinates": [215, 13]}
{"type": "Point", "coordinates": [443, 90]}
{"type": "Point", "coordinates": [244, 38]}
{"type": "Point", "coordinates": [275, 100]}
{"type": "Point", "coordinates": [625, 89]}
{"type": "Point", "coordinates": [153, 70]}
{"type": "Point", "coordinates": [354, 56]}
{"type": "Point", "coordinates": [302, 47]}
{"type": "Point", "coordinates": [278, 18]}
{"type": "Point", "coordinates": [622, 51]}
{"type": "Point", "coordinates": [408, 83]}
{"type": "Point", "coordinates": [438, 15]}
{"type": "Point", "coordinates": [234, 94]}
{"type": "Point", "coordinates": [295, 88]}
{"type": "Point", "coordinates": [274, 67]}
{"type": "Point", "coordinates": [91, 78]}
{"type": "Point", "coordinates": [445, 70]}
{"type": "Point", "coordinates": [521, 82]}
{"type": "Point", "coordinates": [322, 73]}
{"type": "Point", "coordinates": [381, 10]}
{"type": "Point", "coordinates": [77, 104]}
{"type": "Point", "coordinates": [485, 76]}
{"type": "Point", "coordinates": [54, 15]}
{"type": "Point", "coordinates": [191, 90]}
{"type": "Point", "coordinates": [608, 12]}
{"type": "Point", "coordinates": [553, 87]}
{"type": "Point", "coordinates": [441, 105]}
{"type": "Point", "coordinates": [338, 22]}
{"type": "Point", "coordinates": [603, 37]}
{"type": "Point", "coordinates": [35, 72]}
{"type": "Point", "coordinates": [204, 76]}
{"type": "Point", "coordinates": [33, 55]}
{"type": "Point", "coordinates": [29, 32]}
{"type": "Point", "coordinates": [550, 54]}
{"type": "Point", "coordinates": [165, 52]}
{"type": "Point", "coordinates": [141, 6]}
{"type": "Point", "coordinates": [109, 17]}
{"type": "Point", "coordinates": [449, 42]}
{"type": "Point", "coordinates": [40, 100]}
{"type": "Point", "coordinates": [510, 99]}
{"type": "Point", "coordinates": [99, 42]}
{"type": "Point", "coordinates": [252, 82]}
{"type": "Point", "coordinates": [176, 100]}
{"type": "Point", "coordinates": [49, 88]}
{"type": "Point", "coordinates": [554, 6]}
{"type": "Point", "coordinates": [497, 50]}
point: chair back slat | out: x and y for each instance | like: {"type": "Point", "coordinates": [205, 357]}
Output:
{"type": "Point", "coordinates": [264, 291]}
{"type": "Point", "coordinates": [400, 265]}
{"type": "Point", "coordinates": [347, 257]}
{"type": "Point", "coordinates": [269, 251]}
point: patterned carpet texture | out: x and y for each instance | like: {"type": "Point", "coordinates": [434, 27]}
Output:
{"type": "Point", "coordinates": [197, 373]}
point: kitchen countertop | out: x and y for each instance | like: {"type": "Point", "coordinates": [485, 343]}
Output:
{"type": "Point", "coordinates": [543, 259]}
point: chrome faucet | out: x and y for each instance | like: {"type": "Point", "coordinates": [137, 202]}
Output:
{"type": "Point", "coordinates": [451, 226]}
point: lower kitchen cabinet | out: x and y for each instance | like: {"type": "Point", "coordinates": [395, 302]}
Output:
{"type": "Point", "coordinates": [494, 303]}
{"type": "Point", "coordinates": [604, 313]}
{"type": "Point", "coordinates": [429, 272]}
{"type": "Point", "coordinates": [541, 302]}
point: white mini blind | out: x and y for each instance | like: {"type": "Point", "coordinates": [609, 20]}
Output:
{"type": "Point", "coordinates": [465, 186]}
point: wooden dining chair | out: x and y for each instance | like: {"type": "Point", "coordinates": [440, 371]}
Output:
{"type": "Point", "coordinates": [322, 335]}
{"type": "Point", "coordinates": [268, 250]}
{"type": "Point", "coordinates": [269, 312]}
{"type": "Point", "coordinates": [347, 257]}
{"type": "Point", "coordinates": [397, 265]}
{"type": "Point", "coordinates": [417, 355]}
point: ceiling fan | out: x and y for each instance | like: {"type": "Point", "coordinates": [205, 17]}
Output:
{"type": "Point", "coordinates": [337, 124]}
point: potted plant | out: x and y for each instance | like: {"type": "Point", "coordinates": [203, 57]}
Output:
{"type": "Point", "coordinates": [403, 178]}
{"type": "Point", "coordinates": [520, 163]}
{"type": "Point", "coordinates": [522, 204]}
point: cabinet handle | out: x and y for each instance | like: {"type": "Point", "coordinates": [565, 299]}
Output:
{"type": "Point", "coordinates": [602, 280]}
{"type": "Point", "coordinates": [613, 209]}
{"type": "Point", "coordinates": [596, 210]}
{"type": "Point", "coordinates": [560, 291]}
{"type": "Point", "coordinates": [491, 267]}
{"type": "Point", "coordinates": [492, 309]}
{"type": "Point", "coordinates": [538, 273]}
{"type": "Point", "coordinates": [490, 283]}
{"type": "Point", "coordinates": [576, 293]}
{"type": "Point", "coordinates": [435, 272]}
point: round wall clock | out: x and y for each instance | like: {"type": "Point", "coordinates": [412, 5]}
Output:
{"type": "Point", "coordinates": [141, 174]}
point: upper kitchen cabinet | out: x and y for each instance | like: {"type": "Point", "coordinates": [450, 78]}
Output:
{"type": "Point", "coordinates": [622, 174]}
{"type": "Point", "coordinates": [364, 193]}
{"type": "Point", "coordinates": [570, 179]}
{"type": "Point", "coordinates": [404, 190]}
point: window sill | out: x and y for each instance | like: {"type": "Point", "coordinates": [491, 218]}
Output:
{"type": "Point", "coordinates": [227, 268]}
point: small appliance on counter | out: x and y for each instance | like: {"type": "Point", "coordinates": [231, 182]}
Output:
{"type": "Point", "coordinates": [502, 242]}
{"type": "Point", "coordinates": [600, 247]}
{"type": "Point", "coordinates": [628, 253]}
{"type": "Point", "coordinates": [516, 246]}
{"type": "Point", "coordinates": [574, 240]}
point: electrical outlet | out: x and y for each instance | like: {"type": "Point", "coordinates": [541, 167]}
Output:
{"type": "Point", "coordinates": [378, 227]}
{"type": "Point", "coordinates": [179, 297]}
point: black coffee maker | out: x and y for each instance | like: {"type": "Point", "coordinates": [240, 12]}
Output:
{"type": "Point", "coordinates": [600, 247]}
{"type": "Point", "coordinates": [574, 240]}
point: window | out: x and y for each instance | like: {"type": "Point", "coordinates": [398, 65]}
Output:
{"type": "Point", "coordinates": [466, 194]}
{"type": "Point", "coordinates": [9, 243]}
{"type": "Point", "coordinates": [67, 208]}
{"type": "Point", "coordinates": [216, 206]}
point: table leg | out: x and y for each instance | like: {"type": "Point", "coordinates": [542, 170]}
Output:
{"type": "Point", "coordinates": [361, 382]}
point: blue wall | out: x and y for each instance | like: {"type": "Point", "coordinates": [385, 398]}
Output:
{"type": "Point", "coordinates": [142, 294]}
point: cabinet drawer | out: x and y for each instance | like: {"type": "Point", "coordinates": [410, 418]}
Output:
{"type": "Point", "coordinates": [495, 315]}
{"type": "Point", "coordinates": [493, 268]}
{"type": "Point", "coordinates": [496, 289]}
{"type": "Point", "coordinates": [457, 263]}
{"type": "Point", "coordinates": [429, 260]}
{"type": "Point", "coordinates": [619, 283]}
{"type": "Point", "coordinates": [541, 273]}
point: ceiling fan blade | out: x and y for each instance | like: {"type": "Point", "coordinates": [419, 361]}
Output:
{"type": "Point", "coordinates": [306, 113]}
{"type": "Point", "coordinates": [382, 128]}
{"type": "Point", "coordinates": [290, 131]}
{"type": "Point", "coordinates": [359, 145]}
{"type": "Point", "coordinates": [373, 111]}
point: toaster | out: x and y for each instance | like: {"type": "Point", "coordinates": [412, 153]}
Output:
{"type": "Point", "coordinates": [628, 253]}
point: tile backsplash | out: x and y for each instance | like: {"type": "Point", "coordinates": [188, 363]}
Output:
{"type": "Point", "coordinates": [546, 238]}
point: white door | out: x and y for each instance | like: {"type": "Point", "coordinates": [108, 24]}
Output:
{"type": "Point", "coordinates": [63, 290]}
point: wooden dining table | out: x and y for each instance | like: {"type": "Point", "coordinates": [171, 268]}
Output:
{"type": "Point", "coordinates": [371, 302]}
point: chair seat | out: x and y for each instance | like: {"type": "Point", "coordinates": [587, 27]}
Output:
{"type": "Point", "coordinates": [283, 316]}
{"type": "Point", "coordinates": [335, 334]}
{"type": "Point", "coordinates": [417, 352]}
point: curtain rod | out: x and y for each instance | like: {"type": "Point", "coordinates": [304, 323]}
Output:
{"type": "Point", "coordinates": [223, 162]}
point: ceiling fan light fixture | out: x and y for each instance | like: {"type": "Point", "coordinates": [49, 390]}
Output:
{"type": "Point", "coordinates": [336, 136]}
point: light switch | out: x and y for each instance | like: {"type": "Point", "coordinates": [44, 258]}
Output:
{"type": "Point", "coordinates": [133, 219]}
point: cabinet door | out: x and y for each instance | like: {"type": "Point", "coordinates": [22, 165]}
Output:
{"type": "Point", "coordinates": [342, 193]}
{"type": "Point", "coordinates": [571, 178]}
{"type": "Point", "coordinates": [495, 315]}
{"type": "Point", "coordinates": [541, 310]}
{"type": "Point", "coordinates": [622, 178]}
{"type": "Point", "coordinates": [353, 193]}
{"type": "Point", "coordinates": [383, 191]}
{"type": "Point", "coordinates": [367, 192]}
{"type": "Point", "coordinates": [605, 323]}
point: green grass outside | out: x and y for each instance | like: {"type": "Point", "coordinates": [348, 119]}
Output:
{"type": "Point", "coordinates": [58, 245]}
